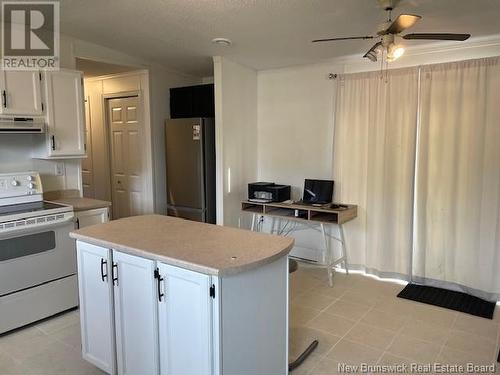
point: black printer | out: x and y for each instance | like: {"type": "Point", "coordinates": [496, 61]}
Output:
{"type": "Point", "coordinates": [265, 192]}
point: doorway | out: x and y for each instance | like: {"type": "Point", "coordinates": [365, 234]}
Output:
{"type": "Point", "coordinates": [119, 163]}
{"type": "Point", "coordinates": [126, 130]}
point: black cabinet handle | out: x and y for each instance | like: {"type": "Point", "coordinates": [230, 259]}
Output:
{"type": "Point", "coordinates": [104, 263]}
{"type": "Point", "coordinates": [113, 275]}
{"type": "Point", "coordinates": [4, 98]}
{"type": "Point", "coordinates": [159, 279]}
{"type": "Point", "coordinates": [53, 142]}
{"type": "Point", "coordinates": [77, 223]}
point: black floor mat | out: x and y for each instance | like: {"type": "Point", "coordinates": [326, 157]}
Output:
{"type": "Point", "coordinates": [449, 299]}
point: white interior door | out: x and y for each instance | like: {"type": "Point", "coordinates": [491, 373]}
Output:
{"type": "Point", "coordinates": [127, 166]}
{"type": "Point", "coordinates": [135, 315]}
{"type": "Point", "coordinates": [185, 321]}
{"type": "Point", "coordinates": [21, 93]}
{"type": "Point", "coordinates": [96, 306]}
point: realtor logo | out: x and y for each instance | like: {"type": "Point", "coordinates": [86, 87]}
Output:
{"type": "Point", "coordinates": [30, 35]}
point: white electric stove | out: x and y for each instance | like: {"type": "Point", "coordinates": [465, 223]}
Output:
{"type": "Point", "coordinates": [37, 256]}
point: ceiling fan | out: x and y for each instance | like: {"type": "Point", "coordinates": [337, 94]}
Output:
{"type": "Point", "coordinates": [389, 30]}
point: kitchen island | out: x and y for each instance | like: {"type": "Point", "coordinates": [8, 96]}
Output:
{"type": "Point", "coordinates": [162, 295]}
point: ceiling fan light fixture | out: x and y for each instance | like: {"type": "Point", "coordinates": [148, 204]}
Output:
{"type": "Point", "coordinates": [394, 52]}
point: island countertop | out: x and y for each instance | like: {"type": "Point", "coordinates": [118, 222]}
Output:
{"type": "Point", "coordinates": [200, 247]}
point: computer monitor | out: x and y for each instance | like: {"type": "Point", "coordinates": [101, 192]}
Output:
{"type": "Point", "coordinates": [317, 191]}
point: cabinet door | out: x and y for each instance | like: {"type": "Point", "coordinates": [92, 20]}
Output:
{"type": "Point", "coordinates": [65, 113]}
{"type": "Point", "coordinates": [185, 318]}
{"type": "Point", "coordinates": [135, 315]}
{"type": "Point", "coordinates": [96, 306]}
{"type": "Point", "coordinates": [21, 93]}
{"type": "Point", "coordinates": [91, 217]}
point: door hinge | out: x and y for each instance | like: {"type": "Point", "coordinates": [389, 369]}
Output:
{"type": "Point", "coordinates": [212, 291]}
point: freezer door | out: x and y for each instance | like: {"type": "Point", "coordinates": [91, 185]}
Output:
{"type": "Point", "coordinates": [193, 214]}
{"type": "Point", "coordinates": [185, 166]}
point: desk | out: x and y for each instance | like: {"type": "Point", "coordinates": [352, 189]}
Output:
{"type": "Point", "coordinates": [310, 215]}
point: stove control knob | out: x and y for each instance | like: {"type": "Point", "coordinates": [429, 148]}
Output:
{"type": "Point", "coordinates": [31, 185]}
{"type": "Point", "coordinates": [15, 183]}
{"type": "Point", "coordinates": [30, 178]}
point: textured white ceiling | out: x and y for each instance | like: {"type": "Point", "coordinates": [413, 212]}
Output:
{"type": "Point", "coordinates": [265, 33]}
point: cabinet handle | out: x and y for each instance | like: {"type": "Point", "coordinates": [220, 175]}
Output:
{"type": "Point", "coordinates": [77, 223]}
{"type": "Point", "coordinates": [104, 266]}
{"type": "Point", "coordinates": [4, 98]}
{"type": "Point", "coordinates": [159, 279]}
{"type": "Point", "coordinates": [115, 277]}
{"type": "Point", "coordinates": [53, 142]}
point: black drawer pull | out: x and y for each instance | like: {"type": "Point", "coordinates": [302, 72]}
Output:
{"type": "Point", "coordinates": [113, 275]}
{"type": "Point", "coordinates": [4, 98]}
{"type": "Point", "coordinates": [159, 279]}
{"type": "Point", "coordinates": [53, 142]}
{"type": "Point", "coordinates": [104, 264]}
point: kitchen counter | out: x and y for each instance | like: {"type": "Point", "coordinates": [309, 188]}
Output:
{"type": "Point", "coordinates": [82, 203]}
{"type": "Point", "coordinates": [72, 198]}
{"type": "Point", "coordinates": [200, 247]}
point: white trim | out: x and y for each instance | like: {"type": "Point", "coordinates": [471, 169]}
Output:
{"type": "Point", "coordinates": [118, 75]}
{"type": "Point", "coordinates": [219, 149]}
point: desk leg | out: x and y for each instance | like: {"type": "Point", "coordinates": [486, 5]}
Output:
{"type": "Point", "coordinates": [329, 256]}
{"type": "Point", "coordinates": [253, 223]}
{"type": "Point", "coordinates": [344, 250]}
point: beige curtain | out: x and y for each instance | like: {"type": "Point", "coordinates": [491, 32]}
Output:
{"type": "Point", "coordinates": [457, 211]}
{"type": "Point", "coordinates": [375, 128]}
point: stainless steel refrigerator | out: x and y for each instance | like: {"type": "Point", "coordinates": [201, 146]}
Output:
{"type": "Point", "coordinates": [190, 160]}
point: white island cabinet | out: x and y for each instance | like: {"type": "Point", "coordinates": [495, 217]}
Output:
{"type": "Point", "coordinates": [161, 295]}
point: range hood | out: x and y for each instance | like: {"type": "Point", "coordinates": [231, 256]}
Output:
{"type": "Point", "coordinates": [20, 125]}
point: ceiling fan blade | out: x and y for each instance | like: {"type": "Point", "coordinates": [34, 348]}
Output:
{"type": "Point", "coordinates": [437, 36]}
{"type": "Point", "coordinates": [343, 38]}
{"type": "Point", "coordinates": [372, 52]}
{"type": "Point", "coordinates": [402, 22]}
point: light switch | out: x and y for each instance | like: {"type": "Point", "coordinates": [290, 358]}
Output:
{"type": "Point", "coordinates": [60, 170]}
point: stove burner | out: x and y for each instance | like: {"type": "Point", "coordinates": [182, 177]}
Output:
{"type": "Point", "coordinates": [28, 208]}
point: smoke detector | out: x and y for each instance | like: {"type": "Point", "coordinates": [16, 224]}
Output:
{"type": "Point", "coordinates": [224, 42]}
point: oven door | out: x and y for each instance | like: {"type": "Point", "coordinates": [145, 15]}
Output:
{"type": "Point", "coordinates": [36, 256]}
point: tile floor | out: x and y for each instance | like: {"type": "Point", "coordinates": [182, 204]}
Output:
{"type": "Point", "coordinates": [359, 320]}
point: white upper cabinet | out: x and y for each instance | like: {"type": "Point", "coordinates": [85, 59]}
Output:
{"type": "Point", "coordinates": [185, 321]}
{"type": "Point", "coordinates": [20, 93]}
{"type": "Point", "coordinates": [65, 114]}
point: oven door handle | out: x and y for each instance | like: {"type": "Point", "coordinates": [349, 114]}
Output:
{"type": "Point", "coordinates": [27, 230]}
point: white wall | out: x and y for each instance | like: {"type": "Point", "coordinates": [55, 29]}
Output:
{"type": "Point", "coordinates": [236, 136]}
{"type": "Point", "coordinates": [295, 125]}
{"type": "Point", "coordinates": [295, 116]}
